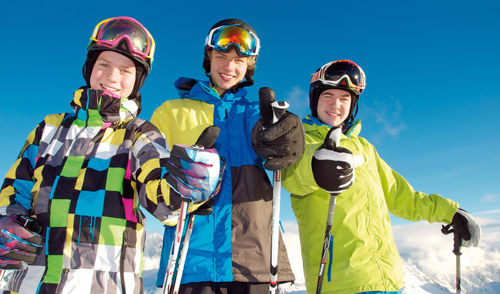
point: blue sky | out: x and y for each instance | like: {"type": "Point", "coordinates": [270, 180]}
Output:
{"type": "Point", "coordinates": [430, 106]}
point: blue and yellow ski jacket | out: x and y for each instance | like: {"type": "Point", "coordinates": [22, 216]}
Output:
{"type": "Point", "coordinates": [232, 243]}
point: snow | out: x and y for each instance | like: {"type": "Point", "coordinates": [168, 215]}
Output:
{"type": "Point", "coordinates": [428, 261]}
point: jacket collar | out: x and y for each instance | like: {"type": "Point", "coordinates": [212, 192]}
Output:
{"type": "Point", "coordinates": [201, 90]}
{"type": "Point", "coordinates": [95, 107]}
{"type": "Point", "coordinates": [353, 131]}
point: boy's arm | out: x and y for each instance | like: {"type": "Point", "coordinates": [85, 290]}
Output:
{"type": "Point", "coordinates": [403, 201]}
{"type": "Point", "coordinates": [15, 195]}
{"type": "Point", "coordinates": [193, 173]}
{"type": "Point", "coordinates": [298, 179]}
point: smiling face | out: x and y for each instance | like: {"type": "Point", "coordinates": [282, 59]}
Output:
{"type": "Point", "coordinates": [333, 106]}
{"type": "Point", "coordinates": [227, 68]}
{"type": "Point", "coordinates": [114, 73]}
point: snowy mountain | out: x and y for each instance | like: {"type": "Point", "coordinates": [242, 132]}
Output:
{"type": "Point", "coordinates": [428, 260]}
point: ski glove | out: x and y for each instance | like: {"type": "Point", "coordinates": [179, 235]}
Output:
{"type": "Point", "coordinates": [467, 227]}
{"type": "Point", "coordinates": [195, 172]}
{"type": "Point", "coordinates": [18, 242]}
{"type": "Point", "coordinates": [333, 166]}
{"type": "Point", "coordinates": [278, 136]}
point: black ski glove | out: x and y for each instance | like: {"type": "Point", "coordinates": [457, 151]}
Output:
{"type": "Point", "coordinates": [467, 227]}
{"type": "Point", "coordinates": [278, 136]}
{"type": "Point", "coordinates": [332, 166]}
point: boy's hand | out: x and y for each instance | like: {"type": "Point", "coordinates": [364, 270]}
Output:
{"type": "Point", "coordinates": [278, 136]}
{"type": "Point", "coordinates": [467, 227]}
{"type": "Point", "coordinates": [332, 166]}
{"type": "Point", "coordinates": [18, 244]}
{"type": "Point", "coordinates": [195, 171]}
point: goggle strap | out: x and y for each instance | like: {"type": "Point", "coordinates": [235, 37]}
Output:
{"type": "Point", "coordinates": [314, 77]}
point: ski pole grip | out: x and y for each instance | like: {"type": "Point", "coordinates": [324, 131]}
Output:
{"type": "Point", "coordinates": [208, 137]}
{"type": "Point", "coordinates": [266, 98]}
{"type": "Point", "coordinates": [270, 109]}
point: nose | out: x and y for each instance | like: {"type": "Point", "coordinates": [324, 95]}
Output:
{"type": "Point", "coordinates": [113, 74]}
{"type": "Point", "coordinates": [230, 64]}
{"type": "Point", "coordinates": [333, 103]}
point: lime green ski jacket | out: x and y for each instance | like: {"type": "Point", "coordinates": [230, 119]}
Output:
{"type": "Point", "coordinates": [363, 255]}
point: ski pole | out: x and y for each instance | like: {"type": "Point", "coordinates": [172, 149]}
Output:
{"type": "Point", "coordinates": [182, 259]}
{"type": "Point", "coordinates": [457, 243]}
{"type": "Point", "coordinates": [335, 136]}
{"type": "Point", "coordinates": [175, 265]}
{"type": "Point", "coordinates": [270, 109]}
{"type": "Point", "coordinates": [456, 249]}
{"type": "Point", "coordinates": [273, 279]}
{"type": "Point", "coordinates": [174, 251]}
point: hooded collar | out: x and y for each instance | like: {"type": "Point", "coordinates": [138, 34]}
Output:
{"type": "Point", "coordinates": [201, 90]}
{"type": "Point", "coordinates": [95, 107]}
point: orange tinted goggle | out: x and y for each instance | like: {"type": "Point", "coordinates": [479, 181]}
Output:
{"type": "Point", "coordinates": [223, 37]}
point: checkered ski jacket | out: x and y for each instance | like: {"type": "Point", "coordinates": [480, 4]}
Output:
{"type": "Point", "coordinates": [83, 175]}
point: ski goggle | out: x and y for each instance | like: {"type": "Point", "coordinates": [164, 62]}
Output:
{"type": "Point", "coordinates": [111, 31]}
{"type": "Point", "coordinates": [221, 38]}
{"type": "Point", "coordinates": [341, 73]}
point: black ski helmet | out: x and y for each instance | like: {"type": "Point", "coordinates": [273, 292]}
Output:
{"type": "Point", "coordinates": [340, 74]}
{"type": "Point", "coordinates": [122, 27]}
{"type": "Point", "coordinates": [206, 60]}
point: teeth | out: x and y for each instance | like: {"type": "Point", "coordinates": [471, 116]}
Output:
{"type": "Point", "coordinates": [104, 87]}
{"type": "Point", "coordinates": [226, 75]}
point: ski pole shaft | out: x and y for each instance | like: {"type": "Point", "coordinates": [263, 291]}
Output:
{"type": "Point", "coordinates": [326, 242]}
{"type": "Point", "coordinates": [458, 279]}
{"type": "Point", "coordinates": [182, 259]}
{"type": "Point", "coordinates": [273, 280]}
{"type": "Point", "coordinates": [457, 243]}
{"type": "Point", "coordinates": [174, 251]}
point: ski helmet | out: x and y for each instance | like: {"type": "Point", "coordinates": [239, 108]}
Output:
{"type": "Point", "coordinates": [232, 33]}
{"type": "Point", "coordinates": [126, 36]}
{"type": "Point", "coordinates": [341, 74]}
